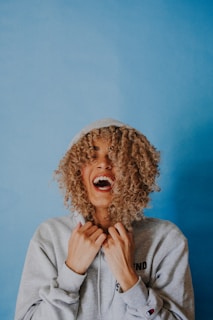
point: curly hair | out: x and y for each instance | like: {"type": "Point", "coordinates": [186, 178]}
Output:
{"type": "Point", "coordinates": [137, 167]}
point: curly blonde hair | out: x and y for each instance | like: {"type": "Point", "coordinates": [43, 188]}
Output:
{"type": "Point", "coordinates": [137, 166]}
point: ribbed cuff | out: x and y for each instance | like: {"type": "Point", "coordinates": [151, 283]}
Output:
{"type": "Point", "coordinates": [137, 295]}
{"type": "Point", "coordinates": [70, 281]}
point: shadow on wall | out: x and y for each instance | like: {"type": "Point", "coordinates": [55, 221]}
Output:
{"type": "Point", "coordinates": [194, 204]}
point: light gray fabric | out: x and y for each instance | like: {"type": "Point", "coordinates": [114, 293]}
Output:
{"type": "Point", "coordinates": [105, 122]}
{"type": "Point", "coordinates": [49, 290]}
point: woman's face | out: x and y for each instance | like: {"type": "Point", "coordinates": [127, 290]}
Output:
{"type": "Point", "coordinates": [99, 176]}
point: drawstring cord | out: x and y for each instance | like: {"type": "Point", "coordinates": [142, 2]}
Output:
{"type": "Point", "coordinates": [99, 284]}
{"type": "Point", "coordinates": [100, 253]}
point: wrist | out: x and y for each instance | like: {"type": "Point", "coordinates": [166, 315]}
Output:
{"type": "Point", "coordinates": [128, 280]}
{"type": "Point", "coordinates": [80, 272]}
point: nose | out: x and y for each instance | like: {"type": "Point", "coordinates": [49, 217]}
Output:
{"type": "Point", "coordinates": [104, 163]}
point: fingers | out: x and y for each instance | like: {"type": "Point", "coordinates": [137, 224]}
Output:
{"type": "Point", "coordinates": [96, 234]}
{"type": "Point", "coordinates": [81, 227]}
{"type": "Point", "coordinates": [88, 228]}
{"type": "Point", "coordinates": [100, 240]}
{"type": "Point", "coordinates": [118, 231]}
{"type": "Point", "coordinates": [91, 232]}
{"type": "Point", "coordinates": [85, 227]}
{"type": "Point", "coordinates": [121, 229]}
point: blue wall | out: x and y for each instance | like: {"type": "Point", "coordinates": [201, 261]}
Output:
{"type": "Point", "coordinates": [66, 63]}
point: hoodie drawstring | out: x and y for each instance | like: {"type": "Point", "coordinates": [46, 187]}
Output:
{"type": "Point", "coordinates": [99, 284]}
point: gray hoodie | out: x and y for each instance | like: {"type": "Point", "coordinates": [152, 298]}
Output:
{"type": "Point", "coordinates": [50, 290]}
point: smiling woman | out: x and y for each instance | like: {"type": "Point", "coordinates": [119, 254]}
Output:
{"type": "Point", "coordinates": [106, 260]}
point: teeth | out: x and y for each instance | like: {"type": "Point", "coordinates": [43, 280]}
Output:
{"type": "Point", "coordinates": [103, 178]}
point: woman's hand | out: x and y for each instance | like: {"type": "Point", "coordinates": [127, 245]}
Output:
{"type": "Point", "coordinates": [85, 242]}
{"type": "Point", "coordinates": [119, 252]}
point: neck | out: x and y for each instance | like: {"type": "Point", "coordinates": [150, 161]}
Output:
{"type": "Point", "coordinates": [102, 219]}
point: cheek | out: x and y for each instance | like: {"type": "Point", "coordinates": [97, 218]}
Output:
{"type": "Point", "coordinates": [85, 173]}
{"type": "Point", "coordinates": [83, 176]}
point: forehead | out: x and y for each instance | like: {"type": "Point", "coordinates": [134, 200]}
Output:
{"type": "Point", "coordinates": [100, 144]}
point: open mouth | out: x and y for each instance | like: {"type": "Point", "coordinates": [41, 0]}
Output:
{"type": "Point", "coordinates": [103, 183]}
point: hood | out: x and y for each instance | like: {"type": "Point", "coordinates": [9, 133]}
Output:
{"type": "Point", "coordinates": [102, 123]}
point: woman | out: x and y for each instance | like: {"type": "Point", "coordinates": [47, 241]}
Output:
{"type": "Point", "coordinates": [106, 260]}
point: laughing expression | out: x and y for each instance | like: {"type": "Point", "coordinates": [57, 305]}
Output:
{"type": "Point", "coordinates": [99, 176]}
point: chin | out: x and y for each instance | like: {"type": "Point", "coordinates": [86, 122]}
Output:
{"type": "Point", "coordinates": [104, 205]}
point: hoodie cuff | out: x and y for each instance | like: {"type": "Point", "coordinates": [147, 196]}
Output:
{"type": "Point", "coordinates": [70, 281]}
{"type": "Point", "coordinates": [137, 295]}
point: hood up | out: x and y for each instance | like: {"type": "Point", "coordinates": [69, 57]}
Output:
{"type": "Point", "coordinates": [102, 123]}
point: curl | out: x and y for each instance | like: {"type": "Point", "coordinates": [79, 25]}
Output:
{"type": "Point", "coordinates": [137, 167]}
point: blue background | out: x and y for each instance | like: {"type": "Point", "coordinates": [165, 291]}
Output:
{"type": "Point", "coordinates": [66, 63]}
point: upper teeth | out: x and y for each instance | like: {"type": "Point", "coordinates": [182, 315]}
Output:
{"type": "Point", "coordinates": [101, 178]}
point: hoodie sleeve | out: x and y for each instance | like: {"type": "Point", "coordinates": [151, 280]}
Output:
{"type": "Point", "coordinates": [44, 292]}
{"type": "Point", "coordinates": [169, 294]}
